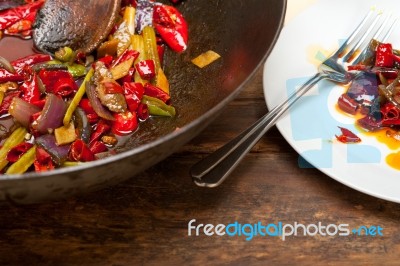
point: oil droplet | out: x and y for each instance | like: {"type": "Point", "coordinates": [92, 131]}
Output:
{"type": "Point", "coordinates": [382, 137]}
{"type": "Point", "coordinates": [393, 160]}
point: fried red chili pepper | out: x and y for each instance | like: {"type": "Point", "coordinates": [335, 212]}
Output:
{"type": "Point", "coordinates": [101, 128]}
{"type": "Point", "coordinates": [16, 152]}
{"type": "Point", "coordinates": [384, 55]}
{"type": "Point", "coordinates": [43, 161]}
{"type": "Point", "coordinates": [30, 89]}
{"type": "Point", "coordinates": [146, 69]}
{"type": "Point", "coordinates": [153, 91]}
{"type": "Point", "coordinates": [97, 147]}
{"type": "Point", "coordinates": [127, 55]}
{"type": "Point", "coordinates": [171, 26]}
{"type": "Point", "coordinates": [20, 66]}
{"type": "Point", "coordinates": [88, 109]}
{"type": "Point", "coordinates": [80, 152]}
{"type": "Point", "coordinates": [125, 123]}
{"type": "Point", "coordinates": [25, 13]}
{"type": "Point", "coordinates": [58, 82]}
{"type": "Point", "coordinates": [143, 112]}
{"type": "Point", "coordinates": [133, 95]}
{"type": "Point", "coordinates": [347, 136]}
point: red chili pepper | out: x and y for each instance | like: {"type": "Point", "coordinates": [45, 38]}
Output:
{"type": "Point", "coordinates": [19, 27]}
{"type": "Point", "coordinates": [30, 89]}
{"type": "Point", "coordinates": [146, 69]}
{"type": "Point", "coordinates": [143, 112]}
{"type": "Point", "coordinates": [396, 58]}
{"type": "Point", "coordinates": [80, 57]}
{"type": "Point", "coordinates": [88, 109]}
{"type": "Point", "coordinates": [133, 95]}
{"type": "Point", "coordinates": [112, 87]}
{"type": "Point", "coordinates": [11, 16]}
{"type": "Point", "coordinates": [347, 136]}
{"type": "Point", "coordinates": [101, 128]}
{"type": "Point", "coordinates": [161, 52]}
{"type": "Point", "coordinates": [171, 26]}
{"type": "Point", "coordinates": [43, 161]}
{"type": "Point", "coordinates": [16, 152]}
{"type": "Point", "coordinates": [97, 147]}
{"type": "Point", "coordinates": [125, 123]}
{"type": "Point", "coordinates": [107, 60]}
{"type": "Point", "coordinates": [59, 82]}
{"type": "Point", "coordinates": [5, 104]}
{"type": "Point", "coordinates": [80, 152]}
{"type": "Point", "coordinates": [126, 55]}
{"type": "Point", "coordinates": [20, 66]}
{"type": "Point", "coordinates": [65, 87]}
{"type": "Point", "coordinates": [153, 91]}
{"type": "Point", "coordinates": [384, 55]}
{"type": "Point", "coordinates": [347, 104]}
{"type": "Point", "coordinates": [86, 106]}
{"type": "Point", "coordinates": [30, 60]}
{"type": "Point", "coordinates": [129, 76]}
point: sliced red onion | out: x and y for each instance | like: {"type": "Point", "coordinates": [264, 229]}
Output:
{"type": "Point", "coordinates": [59, 154]}
{"type": "Point", "coordinates": [96, 104]}
{"type": "Point", "coordinates": [83, 125]}
{"type": "Point", "coordinates": [52, 115]}
{"type": "Point", "coordinates": [7, 124]}
{"type": "Point", "coordinates": [22, 111]}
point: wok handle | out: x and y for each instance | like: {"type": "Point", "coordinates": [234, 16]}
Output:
{"type": "Point", "coordinates": [216, 167]}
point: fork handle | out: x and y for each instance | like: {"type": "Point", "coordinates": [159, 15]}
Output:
{"type": "Point", "coordinates": [216, 167]}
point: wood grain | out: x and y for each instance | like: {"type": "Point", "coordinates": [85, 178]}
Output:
{"type": "Point", "coordinates": [144, 221]}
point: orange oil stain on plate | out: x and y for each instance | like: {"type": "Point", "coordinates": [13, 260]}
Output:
{"type": "Point", "coordinates": [382, 136]}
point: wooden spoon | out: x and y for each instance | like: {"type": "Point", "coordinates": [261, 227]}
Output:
{"type": "Point", "coordinates": [79, 24]}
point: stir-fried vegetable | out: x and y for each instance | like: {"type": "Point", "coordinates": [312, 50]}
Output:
{"type": "Point", "coordinates": [70, 108]}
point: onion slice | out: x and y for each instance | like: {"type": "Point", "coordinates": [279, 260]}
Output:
{"type": "Point", "coordinates": [22, 111]}
{"type": "Point", "coordinates": [96, 104]}
{"type": "Point", "coordinates": [84, 128]}
{"type": "Point", "coordinates": [52, 115]}
{"type": "Point", "coordinates": [59, 154]}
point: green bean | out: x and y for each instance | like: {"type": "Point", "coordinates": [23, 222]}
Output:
{"type": "Point", "coordinates": [76, 70]}
{"type": "Point", "coordinates": [77, 98]}
{"type": "Point", "coordinates": [70, 164]}
{"type": "Point", "coordinates": [23, 163]}
{"type": "Point", "coordinates": [65, 54]}
{"type": "Point", "coordinates": [15, 138]}
{"type": "Point", "coordinates": [158, 107]}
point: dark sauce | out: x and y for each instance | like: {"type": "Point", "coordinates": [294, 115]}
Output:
{"type": "Point", "coordinates": [13, 48]}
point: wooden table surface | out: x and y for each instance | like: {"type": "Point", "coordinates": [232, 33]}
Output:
{"type": "Point", "coordinates": [145, 221]}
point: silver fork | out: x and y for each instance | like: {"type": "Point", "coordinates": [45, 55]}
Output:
{"type": "Point", "coordinates": [216, 167]}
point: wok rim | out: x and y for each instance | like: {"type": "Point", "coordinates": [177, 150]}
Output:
{"type": "Point", "coordinates": [201, 119]}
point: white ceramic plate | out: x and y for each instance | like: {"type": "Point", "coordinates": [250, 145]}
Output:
{"type": "Point", "coordinates": [310, 126]}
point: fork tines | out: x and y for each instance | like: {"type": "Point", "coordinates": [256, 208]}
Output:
{"type": "Point", "coordinates": [375, 26]}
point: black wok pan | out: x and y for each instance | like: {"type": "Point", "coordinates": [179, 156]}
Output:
{"type": "Point", "coordinates": [243, 32]}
